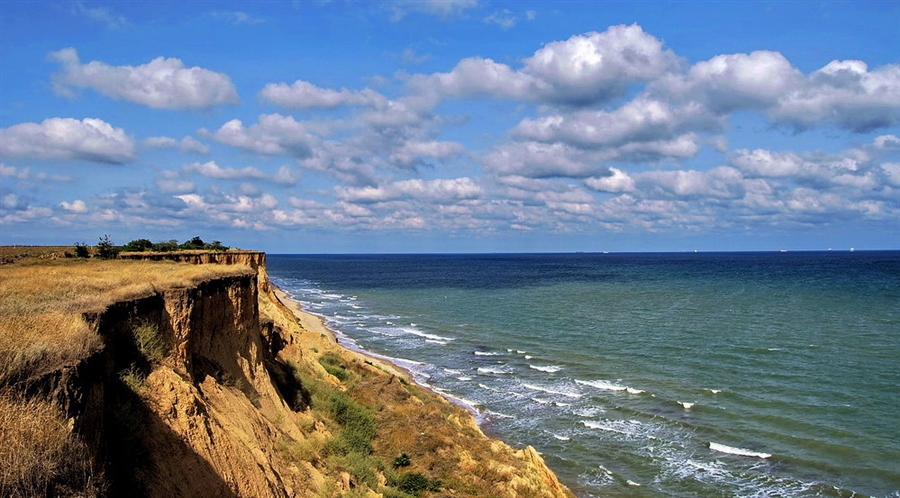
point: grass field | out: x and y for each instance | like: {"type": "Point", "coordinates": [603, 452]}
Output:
{"type": "Point", "coordinates": [42, 301]}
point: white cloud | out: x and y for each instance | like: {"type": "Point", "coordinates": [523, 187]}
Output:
{"type": "Point", "coordinates": [442, 8]}
{"type": "Point", "coordinates": [163, 83]}
{"type": "Point", "coordinates": [618, 181]}
{"type": "Point", "coordinates": [76, 207]}
{"type": "Point", "coordinates": [734, 81]}
{"type": "Point", "coordinates": [101, 15]}
{"type": "Point", "coordinates": [236, 17]}
{"type": "Point", "coordinates": [286, 176]}
{"type": "Point", "coordinates": [188, 145]}
{"type": "Point", "coordinates": [440, 191]}
{"type": "Point", "coordinates": [598, 66]}
{"type": "Point", "coordinates": [274, 134]}
{"type": "Point", "coordinates": [584, 69]}
{"type": "Point", "coordinates": [843, 93]}
{"type": "Point", "coordinates": [65, 138]}
{"type": "Point", "coordinates": [212, 170]}
{"type": "Point", "coordinates": [305, 95]}
{"type": "Point", "coordinates": [412, 153]}
{"type": "Point", "coordinates": [846, 94]}
{"type": "Point", "coordinates": [639, 120]}
{"type": "Point", "coordinates": [503, 18]}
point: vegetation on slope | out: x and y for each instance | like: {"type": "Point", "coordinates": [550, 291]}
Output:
{"type": "Point", "coordinates": [334, 424]}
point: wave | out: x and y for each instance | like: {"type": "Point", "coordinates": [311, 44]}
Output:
{"type": "Point", "coordinates": [686, 405]}
{"type": "Point", "coordinates": [737, 451]}
{"type": "Point", "coordinates": [492, 370]}
{"type": "Point", "coordinates": [547, 369]}
{"type": "Point", "coordinates": [561, 438]}
{"type": "Point", "coordinates": [617, 427]}
{"type": "Point", "coordinates": [551, 391]}
{"type": "Point", "coordinates": [434, 337]}
{"type": "Point", "coordinates": [486, 353]}
{"type": "Point", "coordinates": [609, 386]}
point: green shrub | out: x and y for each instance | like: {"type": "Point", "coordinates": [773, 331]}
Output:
{"type": "Point", "coordinates": [138, 245]}
{"type": "Point", "coordinates": [334, 366]}
{"type": "Point", "coordinates": [150, 343]}
{"type": "Point", "coordinates": [402, 461]}
{"type": "Point", "coordinates": [356, 421]}
{"type": "Point", "coordinates": [414, 483]}
{"type": "Point", "coordinates": [106, 249]}
{"type": "Point", "coordinates": [133, 378]}
{"type": "Point", "coordinates": [81, 250]}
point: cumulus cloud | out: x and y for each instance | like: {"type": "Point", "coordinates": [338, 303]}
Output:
{"type": "Point", "coordinates": [582, 70]}
{"type": "Point", "coordinates": [599, 65]}
{"type": "Point", "coordinates": [734, 81]}
{"type": "Point", "coordinates": [846, 94]}
{"type": "Point", "coordinates": [236, 17]}
{"type": "Point", "coordinates": [212, 170]}
{"type": "Point", "coordinates": [274, 134]}
{"type": "Point", "coordinates": [89, 139]}
{"type": "Point", "coordinates": [163, 83]}
{"type": "Point", "coordinates": [188, 145]}
{"type": "Point", "coordinates": [617, 181]}
{"type": "Point", "coordinates": [440, 191]}
{"type": "Point", "coordinates": [414, 152]}
{"type": "Point", "coordinates": [100, 15]}
{"type": "Point", "coordinates": [77, 206]}
{"type": "Point", "coordinates": [305, 95]}
{"type": "Point", "coordinates": [442, 8]}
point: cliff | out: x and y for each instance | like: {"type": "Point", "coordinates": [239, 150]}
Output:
{"type": "Point", "coordinates": [218, 388]}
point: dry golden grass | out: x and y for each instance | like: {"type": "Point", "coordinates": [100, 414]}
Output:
{"type": "Point", "coordinates": [9, 254]}
{"type": "Point", "coordinates": [42, 301]}
{"type": "Point", "coordinates": [39, 457]}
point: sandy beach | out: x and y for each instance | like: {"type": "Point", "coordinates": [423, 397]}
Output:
{"type": "Point", "coordinates": [316, 324]}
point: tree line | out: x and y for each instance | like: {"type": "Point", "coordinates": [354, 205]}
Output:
{"type": "Point", "coordinates": [106, 249]}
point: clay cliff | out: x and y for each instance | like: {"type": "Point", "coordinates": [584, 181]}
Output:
{"type": "Point", "coordinates": [220, 389]}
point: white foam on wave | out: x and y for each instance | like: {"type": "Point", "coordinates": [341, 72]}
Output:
{"type": "Point", "coordinates": [486, 353]}
{"type": "Point", "coordinates": [686, 405]}
{"type": "Point", "coordinates": [631, 483]}
{"type": "Point", "coordinates": [591, 424]}
{"type": "Point", "coordinates": [453, 371]}
{"type": "Point", "coordinates": [551, 391]}
{"type": "Point", "coordinates": [589, 412]}
{"type": "Point", "coordinates": [541, 401]}
{"type": "Point", "coordinates": [433, 337]}
{"type": "Point", "coordinates": [547, 369]}
{"type": "Point", "coordinates": [714, 391]}
{"type": "Point", "coordinates": [602, 384]}
{"type": "Point", "coordinates": [631, 390]}
{"type": "Point", "coordinates": [464, 378]}
{"type": "Point", "coordinates": [492, 370]}
{"type": "Point", "coordinates": [737, 451]}
{"type": "Point", "coordinates": [561, 438]}
{"type": "Point", "coordinates": [528, 357]}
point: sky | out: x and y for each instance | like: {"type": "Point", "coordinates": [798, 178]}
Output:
{"type": "Point", "coordinates": [452, 125]}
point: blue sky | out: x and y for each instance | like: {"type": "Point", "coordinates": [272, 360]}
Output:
{"type": "Point", "coordinates": [452, 126]}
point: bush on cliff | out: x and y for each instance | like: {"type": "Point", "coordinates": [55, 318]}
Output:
{"type": "Point", "coordinates": [106, 249]}
{"type": "Point", "coordinates": [171, 245]}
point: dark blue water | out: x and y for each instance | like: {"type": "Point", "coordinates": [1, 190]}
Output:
{"type": "Point", "coordinates": [729, 374]}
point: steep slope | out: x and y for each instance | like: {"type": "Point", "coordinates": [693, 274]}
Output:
{"type": "Point", "coordinates": [218, 388]}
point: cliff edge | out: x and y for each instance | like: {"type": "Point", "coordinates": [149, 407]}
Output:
{"type": "Point", "coordinates": [217, 387]}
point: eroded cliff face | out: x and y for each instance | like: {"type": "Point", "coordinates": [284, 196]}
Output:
{"type": "Point", "coordinates": [229, 399]}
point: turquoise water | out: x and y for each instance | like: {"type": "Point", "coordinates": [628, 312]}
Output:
{"type": "Point", "coordinates": [757, 374]}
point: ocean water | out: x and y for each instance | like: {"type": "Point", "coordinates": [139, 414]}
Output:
{"type": "Point", "coordinates": [697, 374]}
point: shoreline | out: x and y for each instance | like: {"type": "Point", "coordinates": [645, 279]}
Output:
{"type": "Point", "coordinates": [316, 324]}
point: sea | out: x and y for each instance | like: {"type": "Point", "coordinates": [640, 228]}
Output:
{"type": "Point", "coordinates": [657, 374]}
